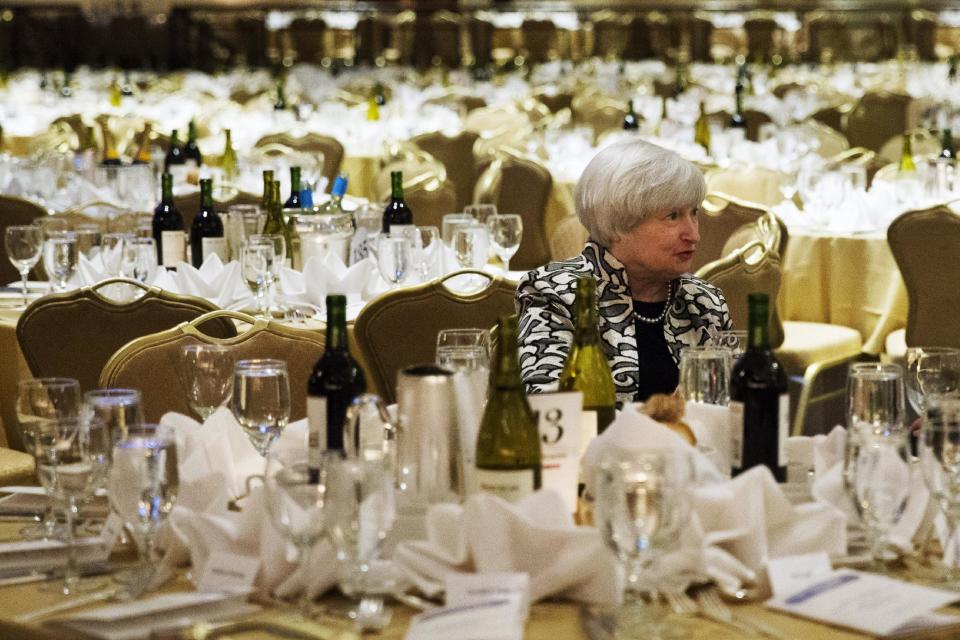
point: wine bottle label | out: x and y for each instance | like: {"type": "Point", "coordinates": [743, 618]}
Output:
{"type": "Point", "coordinates": [401, 229]}
{"type": "Point", "coordinates": [512, 486]}
{"type": "Point", "coordinates": [316, 429]}
{"type": "Point", "coordinates": [214, 245]}
{"type": "Point", "coordinates": [173, 243]}
{"type": "Point", "coordinates": [736, 434]}
{"type": "Point", "coordinates": [783, 428]}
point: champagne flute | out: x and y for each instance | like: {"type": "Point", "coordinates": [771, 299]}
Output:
{"type": "Point", "coordinates": [394, 257]}
{"type": "Point", "coordinates": [256, 266]}
{"type": "Point", "coordinates": [361, 513]}
{"type": "Point", "coordinates": [40, 400]}
{"type": "Point", "coordinates": [24, 244]}
{"type": "Point", "coordinates": [261, 400]}
{"type": "Point", "coordinates": [60, 258]}
{"type": "Point", "coordinates": [506, 230]}
{"type": "Point", "coordinates": [73, 457]}
{"type": "Point", "coordinates": [143, 485]}
{"type": "Point", "coordinates": [207, 371]}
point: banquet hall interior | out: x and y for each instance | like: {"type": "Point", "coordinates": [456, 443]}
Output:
{"type": "Point", "coordinates": [203, 198]}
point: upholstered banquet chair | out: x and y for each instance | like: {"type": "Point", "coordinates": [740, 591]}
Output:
{"type": "Point", "coordinates": [922, 142]}
{"type": "Point", "coordinates": [539, 40]}
{"type": "Point", "coordinates": [568, 238]}
{"type": "Point", "coordinates": [522, 186]}
{"type": "Point", "coordinates": [805, 349]}
{"type": "Point", "coordinates": [611, 31]}
{"type": "Point", "coordinates": [151, 363]}
{"type": "Point", "coordinates": [330, 147]}
{"type": "Point", "coordinates": [762, 31]}
{"type": "Point", "coordinates": [750, 184]}
{"type": "Point", "coordinates": [924, 244]}
{"type": "Point", "coordinates": [16, 467]}
{"type": "Point", "coordinates": [456, 154]}
{"type": "Point", "coordinates": [72, 334]}
{"type": "Point", "coordinates": [768, 229]}
{"type": "Point", "coordinates": [14, 211]}
{"type": "Point", "coordinates": [393, 331]}
{"type": "Point", "coordinates": [307, 40]}
{"type": "Point", "coordinates": [720, 216]}
{"type": "Point", "coordinates": [877, 117]}
{"type": "Point", "coordinates": [426, 189]}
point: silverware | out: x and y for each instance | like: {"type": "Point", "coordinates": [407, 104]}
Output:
{"type": "Point", "coordinates": [713, 608]}
{"type": "Point", "coordinates": [26, 577]}
{"type": "Point", "coordinates": [681, 603]}
{"type": "Point", "coordinates": [598, 624]}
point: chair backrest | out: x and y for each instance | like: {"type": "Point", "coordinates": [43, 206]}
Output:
{"type": "Point", "coordinates": [750, 184]}
{"type": "Point", "coordinates": [877, 117]}
{"type": "Point", "coordinates": [924, 244]}
{"type": "Point", "coordinates": [152, 363]}
{"type": "Point", "coordinates": [568, 238]}
{"type": "Point", "coordinates": [521, 186]}
{"type": "Point", "coordinates": [539, 40]}
{"type": "Point", "coordinates": [456, 154]}
{"type": "Point", "coordinates": [768, 229]}
{"type": "Point", "coordinates": [14, 211]}
{"type": "Point", "coordinates": [750, 269]}
{"type": "Point", "coordinates": [922, 142]}
{"type": "Point", "coordinates": [330, 147]}
{"type": "Point", "coordinates": [720, 216]}
{"type": "Point", "coordinates": [72, 334]}
{"type": "Point", "coordinates": [393, 331]}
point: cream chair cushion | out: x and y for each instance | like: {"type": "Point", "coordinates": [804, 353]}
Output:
{"type": "Point", "coordinates": [16, 467]}
{"type": "Point", "coordinates": [895, 345]}
{"type": "Point", "coordinates": [805, 343]}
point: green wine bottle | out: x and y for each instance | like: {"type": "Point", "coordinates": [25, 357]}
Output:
{"type": "Point", "coordinates": [906, 156]}
{"type": "Point", "coordinates": [508, 443]}
{"type": "Point", "coordinates": [267, 181]}
{"type": "Point", "coordinates": [630, 121]}
{"type": "Point", "coordinates": [587, 369]}
{"type": "Point", "coordinates": [701, 130]}
{"type": "Point", "coordinates": [275, 224]}
{"type": "Point", "coordinates": [228, 161]}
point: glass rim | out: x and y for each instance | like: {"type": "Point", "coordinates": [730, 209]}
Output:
{"type": "Point", "coordinates": [934, 350]}
{"type": "Point", "coordinates": [249, 364]}
{"type": "Point", "coordinates": [204, 346]}
{"type": "Point", "coordinates": [113, 393]}
{"type": "Point", "coordinates": [706, 351]}
{"type": "Point", "coordinates": [48, 383]}
{"type": "Point", "coordinates": [148, 431]}
{"type": "Point", "coordinates": [871, 369]}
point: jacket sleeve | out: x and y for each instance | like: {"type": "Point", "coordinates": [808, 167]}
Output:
{"type": "Point", "coordinates": [545, 333]}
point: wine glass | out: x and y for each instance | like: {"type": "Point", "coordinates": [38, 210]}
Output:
{"type": "Point", "coordinates": [369, 220]}
{"type": "Point", "coordinates": [207, 371]}
{"type": "Point", "coordinates": [939, 453]}
{"type": "Point", "coordinates": [111, 252]}
{"type": "Point", "coordinates": [453, 221]}
{"type": "Point", "coordinates": [875, 397]}
{"type": "Point", "coordinates": [705, 374]}
{"type": "Point", "coordinates": [40, 400]}
{"type": "Point", "coordinates": [297, 494]}
{"type": "Point", "coordinates": [118, 409]}
{"type": "Point", "coordinates": [73, 458]}
{"type": "Point", "coordinates": [931, 371]}
{"type": "Point", "coordinates": [261, 400]}
{"type": "Point", "coordinates": [471, 245]}
{"type": "Point", "coordinates": [143, 484]}
{"type": "Point", "coordinates": [361, 512]}
{"type": "Point", "coordinates": [88, 239]}
{"type": "Point", "coordinates": [394, 257]}
{"type": "Point", "coordinates": [877, 476]}
{"type": "Point", "coordinates": [506, 230]}
{"type": "Point", "coordinates": [735, 340]}
{"type": "Point", "coordinates": [480, 212]}
{"type": "Point", "coordinates": [424, 244]}
{"type": "Point", "coordinates": [139, 258]}
{"type": "Point", "coordinates": [256, 266]}
{"type": "Point", "coordinates": [641, 507]}
{"type": "Point", "coordinates": [60, 258]}
{"type": "Point", "coordinates": [24, 244]}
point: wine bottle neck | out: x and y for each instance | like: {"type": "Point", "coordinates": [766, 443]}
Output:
{"type": "Point", "coordinates": [206, 195]}
{"type": "Point", "coordinates": [396, 186]}
{"type": "Point", "coordinates": [759, 317]}
{"type": "Point", "coordinates": [336, 327]}
{"type": "Point", "coordinates": [295, 180]}
{"type": "Point", "coordinates": [507, 375]}
{"type": "Point", "coordinates": [166, 189]}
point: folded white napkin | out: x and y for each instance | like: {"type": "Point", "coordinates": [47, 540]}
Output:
{"type": "Point", "coordinates": [91, 271]}
{"type": "Point", "coordinates": [214, 461]}
{"type": "Point", "coordinates": [323, 275]}
{"type": "Point", "coordinates": [220, 283]}
{"type": "Point", "coordinates": [710, 423]}
{"type": "Point", "coordinates": [535, 536]}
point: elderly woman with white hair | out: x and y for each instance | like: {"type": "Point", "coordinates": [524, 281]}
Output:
{"type": "Point", "coordinates": [639, 203]}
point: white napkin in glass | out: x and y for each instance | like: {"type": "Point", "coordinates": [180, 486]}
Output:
{"type": "Point", "coordinates": [535, 536]}
{"type": "Point", "coordinates": [220, 283]}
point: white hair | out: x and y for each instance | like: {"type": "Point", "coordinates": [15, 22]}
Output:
{"type": "Point", "coordinates": [629, 181]}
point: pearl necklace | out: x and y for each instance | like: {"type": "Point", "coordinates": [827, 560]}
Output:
{"type": "Point", "coordinates": [663, 314]}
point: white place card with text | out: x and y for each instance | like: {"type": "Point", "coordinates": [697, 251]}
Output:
{"type": "Point", "coordinates": [465, 589]}
{"type": "Point", "coordinates": [228, 573]}
{"type": "Point", "coordinates": [559, 417]}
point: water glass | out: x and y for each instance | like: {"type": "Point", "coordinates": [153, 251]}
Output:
{"type": "Point", "coordinates": [256, 267]}
{"type": "Point", "coordinates": [60, 258]}
{"type": "Point", "coordinates": [241, 221]}
{"type": "Point", "coordinates": [939, 454]}
{"type": "Point", "coordinates": [466, 351]}
{"type": "Point", "coordinates": [88, 239]}
{"type": "Point", "coordinates": [480, 212]}
{"type": "Point", "coordinates": [425, 242]}
{"type": "Point", "coordinates": [207, 372]}
{"type": "Point", "coordinates": [111, 252]}
{"type": "Point", "coordinates": [143, 484]}
{"type": "Point", "coordinates": [735, 340]}
{"type": "Point", "coordinates": [118, 409]}
{"type": "Point", "coordinates": [24, 244]}
{"type": "Point", "coordinates": [875, 398]}
{"type": "Point", "coordinates": [369, 432]}
{"type": "Point", "coordinates": [506, 230]}
{"type": "Point", "coordinates": [394, 257]}
{"type": "Point", "coordinates": [361, 512]}
{"type": "Point", "coordinates": [451, 222]}
{"type": "Point", "coordinates": [705, 375]}
{"type": "Point", "coordinates": [471, 245]}
{"type": "Point", "coordinates": [73, 458]}
{"type": "Point", "coordinates": [878, 477]}
{"type": "Point", "coordinates": [931, 371]}
{"type": "Point", "coordinates": [139, 259]}
{"type": "Point", "coordinates": [279, 244]}
{"type": "Point", "coordinates": [261, 400]}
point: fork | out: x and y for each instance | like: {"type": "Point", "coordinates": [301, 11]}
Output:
{"type": "Point", "coordinates": [712, 607]}
{"type": "Point", "coordinates": [681, 603]}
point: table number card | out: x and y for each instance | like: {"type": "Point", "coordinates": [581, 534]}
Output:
{"type": "Point", "coordinates": [559, 417]}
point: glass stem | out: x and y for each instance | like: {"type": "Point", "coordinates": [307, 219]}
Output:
{"type": "Point", "coordinates": [304, 604]}
{"type": "Point", "coordinates": [70, 573]}
{"type": "Point", "coordinates": [23, 279]}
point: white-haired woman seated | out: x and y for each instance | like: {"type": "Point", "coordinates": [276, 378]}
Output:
{"type": "Point", "coordinates": [639, 203]}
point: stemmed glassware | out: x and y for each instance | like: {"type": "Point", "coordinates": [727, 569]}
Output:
{"type": "Point", "coordinates": [111, 252]}
{"type": "Point", "coordinates": [261, 400]}
{"type": "Point", "coordinates": [118, 409]}
{"type": "Point", "coordinates": [143, 484]}
{"type": "Point", "coordinates": [280, 260]}
{"type": "Point", "coordinates": [73, 458]}
{"type": "Point", "coordinates": [641, 507]}
{"type": "Point", "coordinates": [424, 243]}
{"type": "Point", "coordinates": [139, 258]}
{"type": "Point", "coordinates": [60, 258]}
{"type": "Point", "coordinates": [735, 340]}
{"type": "Point", "coordinates": [42, 400]}
{"type": "Point", "coordinates": [208, 376]}
{"type": "Point", "coordinates": [256, 267]}
{"type": "Point", "coordinates": [24, 244]}
{"type": "Point", "coordinates": [394, 257]}
{"type": "Point", "coordinates": [471, 245]}
{"type": "Point", "coordinates": [931, 371]}
{"type": "Point", "coordinates": [506, 231]}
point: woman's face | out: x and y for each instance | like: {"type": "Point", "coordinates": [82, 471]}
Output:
{"type": "Point", "coordinates": [660, 247]}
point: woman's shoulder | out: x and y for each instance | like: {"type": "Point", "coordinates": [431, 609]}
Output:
{"type": "Point", "coordinates": [693, 288]}
{"type": "Point", "coordinates": [559, 275]}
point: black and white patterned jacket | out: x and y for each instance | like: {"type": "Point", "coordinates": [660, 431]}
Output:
{"type": "Point", "coordinates": [545, 305]}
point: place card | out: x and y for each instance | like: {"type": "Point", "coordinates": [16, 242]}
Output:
{"type": "Point", "coordinates": [788, 573]}
{"type": "Point", "coordinates": [491, 620]}
{"type": "Point", "coordinates": [228, 573]}
{"type": "Point", "coordinates": [26, 556]}
{"type": "Point", "coordinates": [464, 589]}
{"type": "Point", "coordinates": [560, 420]}
{"type": "Point", "coordinates": [865, 602]}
